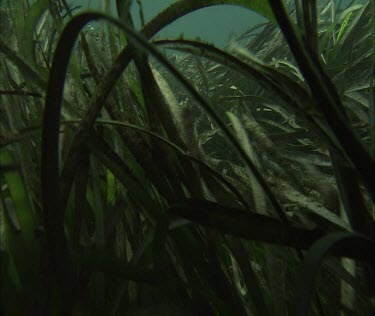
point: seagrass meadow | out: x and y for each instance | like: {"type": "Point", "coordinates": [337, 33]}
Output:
{"type": "Point", "coordinates": [143, 175]}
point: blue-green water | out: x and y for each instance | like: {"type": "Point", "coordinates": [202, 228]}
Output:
{"type": "Point", "coordinates": [214, 24]}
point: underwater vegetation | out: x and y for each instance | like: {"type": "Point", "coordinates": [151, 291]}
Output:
{"type": "Point", "coordinates": [144, 176]}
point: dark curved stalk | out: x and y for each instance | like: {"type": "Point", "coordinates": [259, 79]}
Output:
{"type": "Point", "coordinates": [329, 244]}
{"type": "Point", "coordinates": [62, 268]}
{"type": "Point", "coordinates": [257, 227]}
{"type": "Point", "coordinates": [51, 197]}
